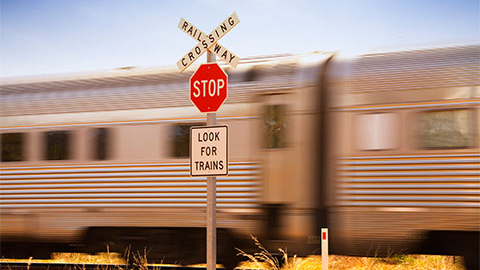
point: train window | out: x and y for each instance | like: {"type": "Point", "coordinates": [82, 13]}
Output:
{"type": "Point", "coordinates": [377, 131]}
{"type": "Point", "coordinates": [58, 146]}
{"type": "Point", "coordinates": [252, 75]}
{"type": "Point", "coordinates": [442, 129]}
{"type": "Point", "coordinates": [100, 143]}
{"type": "Point", "coordinates": [275, 126]}
{"type": "Point", "coordinates": [12, 147]}
{"type": "Point", "coordinates": [181, 139]}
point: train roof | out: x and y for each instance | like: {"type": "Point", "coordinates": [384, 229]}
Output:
{"type": "Point", "coordinates": [139, 88]}
{"type": "Point", "coordinates": [366, 64]}
{"type": "Point", "coordinates": [138, 75]}
{"type": "Point", "coordinates": [416, 69]}
{"type": "Point", "coordinates": [144, 88]}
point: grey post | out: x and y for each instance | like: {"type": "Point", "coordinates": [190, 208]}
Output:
{"type": "Point", "coordinates": [211, 199]}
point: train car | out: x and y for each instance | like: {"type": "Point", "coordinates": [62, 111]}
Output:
{"type": "Point", "coordinates": [382, 149]}
{"type": "Point", "coordinates": [97, 160]}
{"type": "Point", "coordinates": [404, 142]}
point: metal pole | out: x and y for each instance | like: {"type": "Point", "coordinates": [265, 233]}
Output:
{"type": "Point", "coordinates": [211, 199]}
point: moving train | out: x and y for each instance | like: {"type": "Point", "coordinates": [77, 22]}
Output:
{"type": "Point", "coordinates": [382, 149]}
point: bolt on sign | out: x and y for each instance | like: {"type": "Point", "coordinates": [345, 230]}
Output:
{"type": "Point", "coordinates": [209, 151]}
{"type": "Point", "coordinates": [208, 42]}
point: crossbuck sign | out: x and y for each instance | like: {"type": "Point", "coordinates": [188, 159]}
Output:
{"type": "Point", "coordinates": [208, 42]}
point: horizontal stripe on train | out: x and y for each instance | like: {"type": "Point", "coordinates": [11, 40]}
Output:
{"type": "Point", "coordinates": [126, 185]}
{"type": "Point", "coordinates": [435, 180]}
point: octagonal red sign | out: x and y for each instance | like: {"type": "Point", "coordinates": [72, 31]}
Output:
{"type": "Point", "coordinates": [208, 87]}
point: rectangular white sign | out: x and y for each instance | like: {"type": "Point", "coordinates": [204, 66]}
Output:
{"type": "Point", "coordinates": [206, 42]}
{"type": "Point", "coordinates": [209, 151]}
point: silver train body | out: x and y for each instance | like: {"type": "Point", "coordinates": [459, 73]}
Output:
{"type": "Point", "coordinates": [382, 149]}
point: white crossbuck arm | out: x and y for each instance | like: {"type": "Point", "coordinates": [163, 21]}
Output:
{"type": "Point", "coordinates": [208, 42]}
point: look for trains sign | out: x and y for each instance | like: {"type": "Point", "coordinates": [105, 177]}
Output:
{"type": "Point", "coordinates": [209, 151]}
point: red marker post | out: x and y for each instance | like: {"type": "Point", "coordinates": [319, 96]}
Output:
{"type": "Point", "coordinates": [324, 249]}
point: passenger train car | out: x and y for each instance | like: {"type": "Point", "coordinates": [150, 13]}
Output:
{"type": "Point", "coordinates": [382, 149]}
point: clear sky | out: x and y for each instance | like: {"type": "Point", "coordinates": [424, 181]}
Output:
{"type": "Point", "coordinates": [59, 36]}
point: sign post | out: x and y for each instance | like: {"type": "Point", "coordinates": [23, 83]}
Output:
{"type": "Point", "coordinates": [211, 199]}
{"type": "Point", "coordinates": [208, 91]}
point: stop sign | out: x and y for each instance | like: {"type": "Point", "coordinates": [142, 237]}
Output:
{"type": "Point", "coordinates": [208, 87]}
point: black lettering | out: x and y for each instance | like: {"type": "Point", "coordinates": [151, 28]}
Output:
{"type": "Point", "coordinates": [205, 137]}
{"type": "Point", "coordinates": [220, 165]}
{"type": "Point", "coordinates": [217, 32]}
{"type": "Point", "coordinates": [199, 138]}
{"type": "Point", "coordinates": [207, 166]}
{"type": "Point", "coordinates": [196, 165]}
{"type": "Point", "coordinates": [190, 56]}
{"type": "Point", "coordinates": [201, 166]}
{"type": "Point", "coordinates": [204, 43]}
{"type": "Point", "coordinates": [211, 136]}
{"type": "Point", "coordinates": [212, 39]}
{"type": "Point", "coordinates": [198, 50]}
{"type": "Point", "coordinates": [215, 165]}
{"type": "Point", "coordinates": [190, 31]}
{"type": "Point", "coordinates": [217, 48]}
{"type": "Point", "coordinates": [184, 26]}
{"type": "Point", "coordinates": [183, 62]}
{"type": "Point", "coordinates": [223, 27]}
{"type": "Point", "coordinates": [231, 58]}
{"type": "Point", "coordinates": [194, 34]}
{"type": "Point", "coordinates": [199, 38]}
{"type": "Point", "coordinates": [231, 21]}
{"type": "Point", "coordinates": [209, 151]}
{"type": "Point", "coordinates": [217, 136]}
{"type": "Point", "coordinates": [224, 55]}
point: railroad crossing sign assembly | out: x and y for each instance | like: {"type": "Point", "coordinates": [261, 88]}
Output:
{"type": "Point", "coordinates": [209, 151]}
{"type": "Point", "coordinates": [208, 91]}
{"type": "Point", "coordinates": [208, 87]}
{"type": "Point", "coordinates": [208, 42]}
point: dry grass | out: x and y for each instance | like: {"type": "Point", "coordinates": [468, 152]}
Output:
{"type": "Point", "coordinates": [265, 260]}
{"type": "Point", "coordinates": [398, 262]}
{"type": "Point", "coordinates": [82, 258]}
{"type": "Point", "coordinates": [105, 260]}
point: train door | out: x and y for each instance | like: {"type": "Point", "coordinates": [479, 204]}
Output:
{"type": "Point", "coordinates": [275, 154]}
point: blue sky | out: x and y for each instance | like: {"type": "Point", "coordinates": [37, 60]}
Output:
{"type": "Point", "coordinates": [54, 36]}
